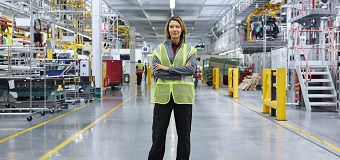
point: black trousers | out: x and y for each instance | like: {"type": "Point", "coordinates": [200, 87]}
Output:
{"type": "Point", "coordinates": [145, 76]}
{"type": "Point", "coordinates": [161, 118]}
{"type": "Point", "coordinates": [139, 79]}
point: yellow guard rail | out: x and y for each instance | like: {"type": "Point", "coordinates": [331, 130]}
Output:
{"type": "Point", "coordinates": [216, 78]}
{"type": "Point", "coordinates": [274, 93]}
{"type": "Point", "coordinates": [233, 75]}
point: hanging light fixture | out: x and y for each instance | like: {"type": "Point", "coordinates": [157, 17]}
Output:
{"type": "Point", "coordinates": [172, 7]}
{"type": "Point", "coordinates": [172, 4]}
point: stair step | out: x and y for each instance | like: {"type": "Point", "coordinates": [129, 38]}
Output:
{"type": "Point", "coordinates": [321, 96]}
{"type": "Point", "coordinates": [319, 73]}
{"type": "Point", "coordinates": [316, 73]}
{"type": "Point", "coordinates": [322, 103]}
{"type": "Point", "coordinates": [321, 80]}
{"type": "Point", "coordinates": [314, 67]}
{"type": "Point", "coordinates": [320, 88]}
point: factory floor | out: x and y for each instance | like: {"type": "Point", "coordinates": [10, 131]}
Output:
{"type": "Point", "coordinates": [118, 127]}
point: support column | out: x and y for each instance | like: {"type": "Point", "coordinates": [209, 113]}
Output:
{"type": "Point", "coordinates": [133, 61]}
{"type": "Point", "coordinates": [97, 46]}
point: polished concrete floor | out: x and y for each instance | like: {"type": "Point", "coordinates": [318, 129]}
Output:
{"type": "Point", "coordinates": [118, 127]}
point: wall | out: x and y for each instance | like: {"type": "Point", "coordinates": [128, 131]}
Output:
{"type": "Point", "coordinates": [226, 41]}
{"type": "Point", "coordinates": [207, 48]}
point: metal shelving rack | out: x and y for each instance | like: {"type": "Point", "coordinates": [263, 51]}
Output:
{"type": "Point", "coordinates": [21, 70]}
{"type": "Point", "coordinates": [68, 17]}
{"type": "Point", "coordinates": [72, 80]}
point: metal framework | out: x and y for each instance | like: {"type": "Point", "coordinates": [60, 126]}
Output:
{"type": "Point", "coordinates": [312, 50]}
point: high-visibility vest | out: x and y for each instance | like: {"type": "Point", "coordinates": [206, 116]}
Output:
{"type": "Point", "coordinates": [139, 68]}
{"type": "Point", "coordinates": [182, 91]}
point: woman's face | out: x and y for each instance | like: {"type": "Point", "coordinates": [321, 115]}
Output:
{"type": "Point", "coordinates": [175, 29]}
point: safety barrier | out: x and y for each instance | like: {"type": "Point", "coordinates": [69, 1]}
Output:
{"type": "Point", "coordinates": [233, 75]}
{"type": "Point", "coordinates": [274, 93]}
{"type": "Point", "coordinates": [216, 78]}
{"type": "Point", "coordinates": [149, 75]}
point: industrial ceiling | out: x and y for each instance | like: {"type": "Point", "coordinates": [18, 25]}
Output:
{"type": "Point", "coordinates": [149, 16]}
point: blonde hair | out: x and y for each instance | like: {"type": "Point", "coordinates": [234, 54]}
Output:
{"type": "Point", "coordinates": [181, 23]}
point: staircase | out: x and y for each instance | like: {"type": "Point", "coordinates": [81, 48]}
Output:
{"type": "Point", "coordinates": [319, 92]}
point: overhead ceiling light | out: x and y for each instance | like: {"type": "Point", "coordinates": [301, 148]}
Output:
{"type": "Point", "coordinates": [172, 4]}
{"type": "Point", "coordinates": [284, 13]}
{"type": "Point", "coordinates": [172, 7]}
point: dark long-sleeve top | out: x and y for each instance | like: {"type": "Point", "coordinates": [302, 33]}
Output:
{"type": "Point", "coordinates": [175, 73]}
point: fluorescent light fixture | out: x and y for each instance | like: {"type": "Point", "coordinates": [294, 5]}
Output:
{"type": "Point", "coordinates": [284, 13]}
{"type": "Point", "coordinates": [172, 4]}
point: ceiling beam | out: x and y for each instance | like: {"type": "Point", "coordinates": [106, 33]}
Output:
{"type": "Point", "coordinates": [166, 7]}
{"type": "Point", "coordinates": [145, 14]}
{"type": "Point", "coordinates": [208, 18]}
{"type": "Point", "coordinates": [200, 10]}
{"type": "Point", "coordinates": [165, 18]}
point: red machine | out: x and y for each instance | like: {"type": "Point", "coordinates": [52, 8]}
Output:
{"type": "Point", "coordinates": [114, 72]}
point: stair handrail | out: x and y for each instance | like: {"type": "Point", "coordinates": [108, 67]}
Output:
{"type": "Point", "coordinates": [297, 49]}
{"type": "Point", "coordinates": [309, 76]}
{"type": "Point", "coordinates": [329, 51]}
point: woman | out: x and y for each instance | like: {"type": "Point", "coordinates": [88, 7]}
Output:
{"type": "Point", "coordinates": [174, 63]}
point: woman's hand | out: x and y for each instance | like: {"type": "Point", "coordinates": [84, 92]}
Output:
{"type": "Point", "coordinates": [160, 67]}
{"type": "Point", "coordinates": [188, 63]}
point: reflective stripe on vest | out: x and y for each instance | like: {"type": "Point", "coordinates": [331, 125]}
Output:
{"type": "Point", "coordinates": [183, 90]}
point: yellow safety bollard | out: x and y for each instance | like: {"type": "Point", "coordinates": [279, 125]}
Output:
{"type": "Point", "coordinates": [233, 75]}
{"type": "Point", "coordinates": [149, 75]}
{"type": "Point", "coordinates": [235, 83]}
{"type": "Point", "coordinates": [216, 79]}
{"type": "Point", "coordinates": [265, 89]}
{"type": "Point", "coordinates": [281, 94]}
{"type": "Point", "coordinates": [230, 80]}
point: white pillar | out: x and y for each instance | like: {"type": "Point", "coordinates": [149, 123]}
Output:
{"type": "Point", "coordinates": [132, 47]}
{"type": "Point", "coordinates": [289, 25]}
{"type": "Point", "coordinates": [96, 45]}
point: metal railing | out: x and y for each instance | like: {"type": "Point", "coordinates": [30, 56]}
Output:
{"type": "Point", "coordinates": [333, 46]}
{"type": "Point", "coordinates": [307, 75]}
